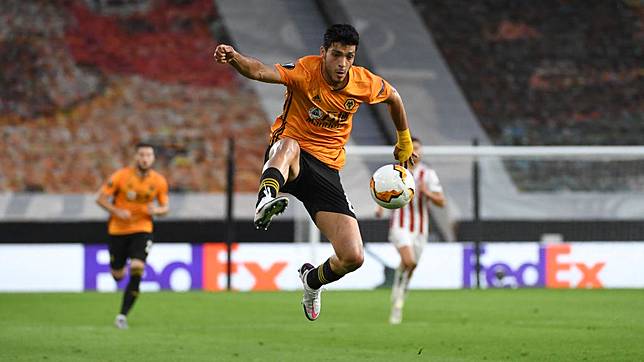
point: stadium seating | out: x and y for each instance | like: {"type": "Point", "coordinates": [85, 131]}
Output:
{"type": "Point", "coordinates": [556, 73]}
{"type": "Point", "coordinates": [82, 83]}
{"type": "Point", "coordinates": [561, 73]}
{"type": "Point", "coordinates": [84, 86]}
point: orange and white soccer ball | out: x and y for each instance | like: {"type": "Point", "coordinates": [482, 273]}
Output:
{"type": "Point", "coordinates": [392, 186]}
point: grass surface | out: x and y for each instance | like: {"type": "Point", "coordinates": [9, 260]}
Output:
{"type": "Point", "coordinates": [464, 325]}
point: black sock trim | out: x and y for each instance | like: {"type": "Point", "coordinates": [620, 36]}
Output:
{"type": "Point", "coordinates": [274, 174]}
{"type": "Point", "coordinates": [328, 274]}
{"type": "Point", "coordinates": [272, 180]}
{"type": "Point", "coordinates": [321, 275]}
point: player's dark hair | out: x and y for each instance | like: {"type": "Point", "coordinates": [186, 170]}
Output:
{"type": "Point", "coordinates": [344, 34]}
{"type": "Point", "coordinates": [143, 145]}
{"type": "Point", "coordinates": [416, 139]}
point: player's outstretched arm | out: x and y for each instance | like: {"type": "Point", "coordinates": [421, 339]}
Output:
{"type": "Point", "coordinates": [404, 147]}
{"type": "Point", "coordinates": [246, 66]}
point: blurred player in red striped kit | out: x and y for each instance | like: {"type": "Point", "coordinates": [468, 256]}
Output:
{"type": "Point", "coordinates": [409, 228]}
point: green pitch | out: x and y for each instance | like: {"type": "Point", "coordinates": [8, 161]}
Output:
{"type": "Point", "coordinates": [515, 325]}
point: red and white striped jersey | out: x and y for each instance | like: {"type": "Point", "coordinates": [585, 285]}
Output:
{"type": "Point", "coordinates": [415, 216]}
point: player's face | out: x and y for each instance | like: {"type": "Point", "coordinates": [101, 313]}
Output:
{"type": "Point", "coordinates": [144, 158]}
{"type": "Point", "coordinates": [337, 60]}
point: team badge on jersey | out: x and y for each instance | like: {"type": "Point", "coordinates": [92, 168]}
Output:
{"type": "Point", "coordinates": [288, 65]}
{"type": "Point", "coordinates": [349, 104]}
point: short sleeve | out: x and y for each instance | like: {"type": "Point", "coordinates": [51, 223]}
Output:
{"type": "Point", "coordinates": [162, 195]}
{"type": "Point", "coordinates": [433, 184]}
{"type": "Point", "coordinates": [380, 90]}
{"type": "Point", "coordinates": [291, 73]}
{"type": "Point", "coordinates": [112, 184]}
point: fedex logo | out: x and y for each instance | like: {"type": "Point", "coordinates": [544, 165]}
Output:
{"type": "Point", "coordinates": [554, 267]}
{"type": "Point", "coordinates": [204, 264]}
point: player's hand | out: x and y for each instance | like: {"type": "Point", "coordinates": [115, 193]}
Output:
{"type": "Point", "coordinates": [153, 209]}
{"type": "Point", "coordinates": [224, 53]}
{"type": "Point", "coordinates": [122, 214]}
{"type": "Point", "coordinates": [410, 161]}
{"type": "Point", "coordinates": [404, 149]}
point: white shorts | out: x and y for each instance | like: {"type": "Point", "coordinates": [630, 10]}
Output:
{"type": "Point", "coordinates": [402, 237]}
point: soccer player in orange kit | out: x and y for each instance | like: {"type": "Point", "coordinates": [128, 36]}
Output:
{"type": "Point", "coordinates": [306, 147]}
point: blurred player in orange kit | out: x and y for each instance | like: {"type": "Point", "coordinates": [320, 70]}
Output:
{"type": "Point", "coordinates": [133, 191]}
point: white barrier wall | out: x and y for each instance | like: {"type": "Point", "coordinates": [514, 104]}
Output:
{"type": "Point", "coordinates": [41, 267]}
{"type": "Point", "coordinates": [273, 266]}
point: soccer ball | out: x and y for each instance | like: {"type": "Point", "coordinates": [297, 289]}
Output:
{"type": "Point", "coordinates": [392, 186]}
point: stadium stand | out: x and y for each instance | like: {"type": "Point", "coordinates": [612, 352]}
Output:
{"type": "Point", "coordinates": [119, 71]}
{"type": "Point", "coordinates": [561, 73]}
{"type": "Point", "coordinates": [83, 84]}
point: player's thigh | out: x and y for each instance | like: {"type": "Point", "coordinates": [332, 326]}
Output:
{"type": "Point", "coordinates": [118, 249]}
{"type": "Point", "coordinates": [320, 189]}
{"type": "Point", "coordinates": [139, 249]}
{"type": "Point", "coordinates": [343, 232]}
{"type": "Point", "coordinates": [284, 152]}
{"type": "Point", "coordinates": [420, 241]}
{"type": "Point", "coordinates": [400, 237]}
{"type": "Point", "coordinates": [404, 241]}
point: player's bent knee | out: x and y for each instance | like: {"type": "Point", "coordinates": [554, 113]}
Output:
{"type": "Point", "coordinates": [410, 266]}
{"type": "Point", "coordinates": [287, 148]}
{"type": "Point", "coordinates": [136, 271]}
{"type": "Point", "coordinates": [352, 261]}
{"type": "Point", "coordinates": [137, 267]}
{"type": "Point", "coordinates": [118, 275]}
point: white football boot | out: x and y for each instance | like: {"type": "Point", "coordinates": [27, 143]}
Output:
{"type": "Point", "coordinates": [396, 311]}
{"type": "Point", "coordinates": [312, 299]}
{"type": "Point", "coordinates": [268, 207]}
{"type": "Point", "coordinates": [398, 295]}
{"type": "Point", "coordinates": [121, 322]}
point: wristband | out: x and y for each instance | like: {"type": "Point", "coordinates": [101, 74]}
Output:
{"type": "Point", "coordinates": [405, 145]}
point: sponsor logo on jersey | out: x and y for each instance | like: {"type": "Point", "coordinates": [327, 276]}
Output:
{"type": "Point", "coordinates": [130, 195]}
{"type": "Point", "coordinates": [321, 118]}
{"type": "Point", "coordinates": [315, 113]}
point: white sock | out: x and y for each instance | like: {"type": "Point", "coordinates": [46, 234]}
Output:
{"type": "Point", "coordinates": [404, 284]}
{"type": "Point", "coordinates": [395, 289]}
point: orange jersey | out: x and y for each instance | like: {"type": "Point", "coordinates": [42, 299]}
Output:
{"type": "Point", "coordinates": [318, 117]}
{"type": "Point", "coordinates": [131, 192]}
